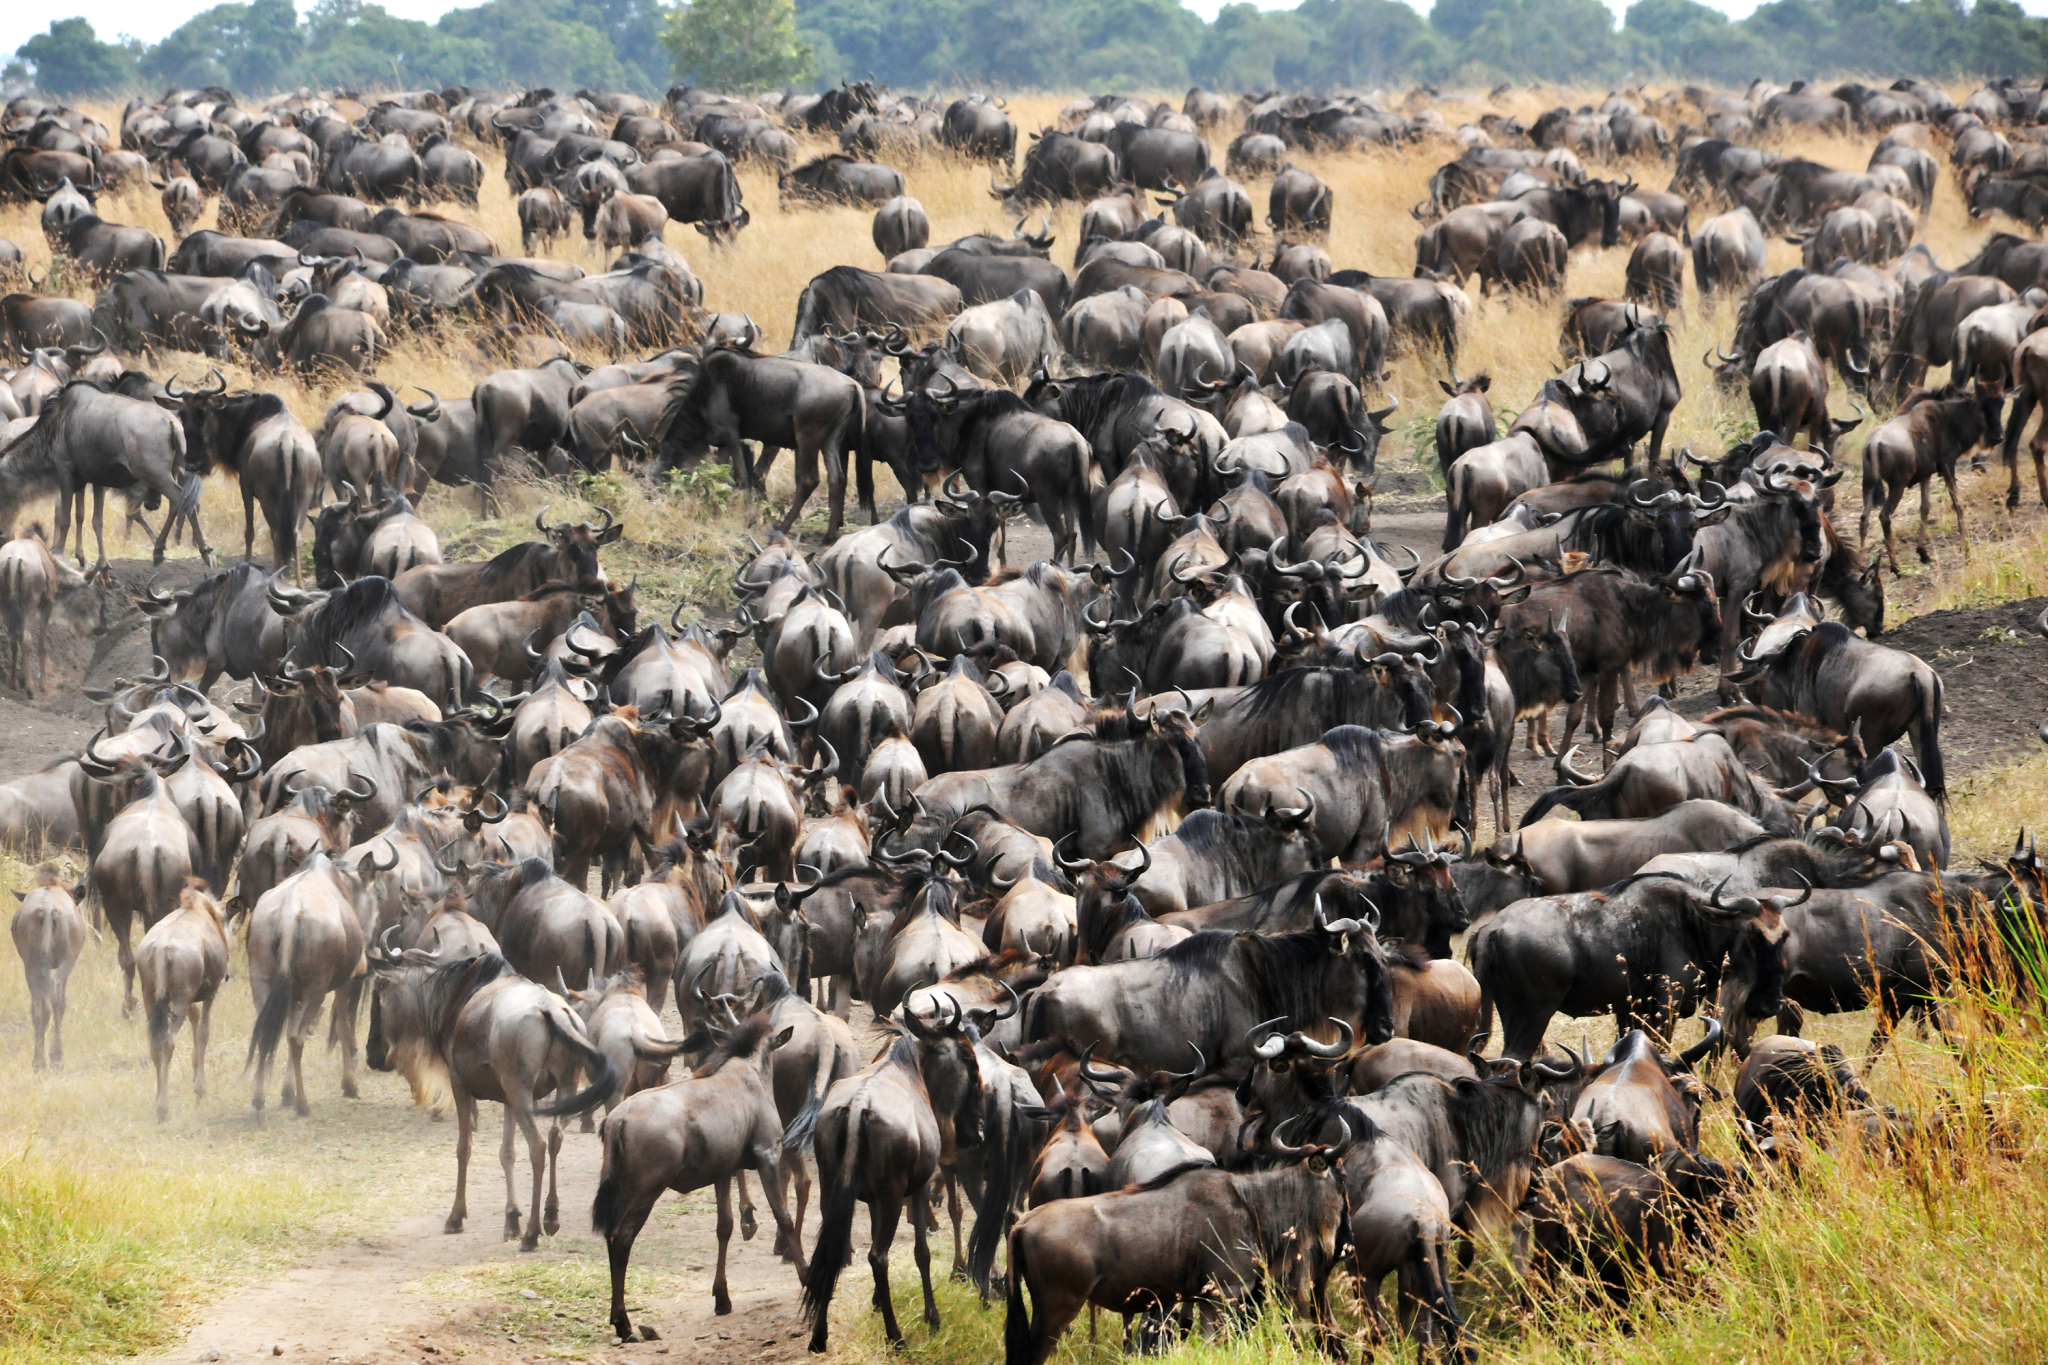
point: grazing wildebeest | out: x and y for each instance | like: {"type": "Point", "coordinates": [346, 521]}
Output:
{"type": "Point", "coordinates": [182, 960]}
{"type": "Point", "coordinates": [48, 933]}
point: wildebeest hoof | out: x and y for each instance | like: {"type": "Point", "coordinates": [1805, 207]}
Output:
{"type": "Point", "coordinates": [1925, 558]}
{"type": "Point", "coordinates": [587, 1126]}
{"type": "Point", "coordinates": [530, 1243]}
{"type": "Point", "coordinates": [511, 1224]}
{"type": "Point", "coordinates": [721, 1304]}
{"type": "Point", "coordinates": [452, 1226]}
{"type": "Point", "coordinates": [349, 1092]}
{"type": "Point", "coordinates": [749, 1225]}
{"type": "Point", "coordinates": [931, 1319]}
{"type": "Point", "coordinates": [2012, 500]}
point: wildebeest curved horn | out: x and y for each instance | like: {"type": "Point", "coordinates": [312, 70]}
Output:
{"type": "Point", "coordinates": [812, 719]}
{"type": "Point", "coordinates": [1015, 1004]}
{"type": "Point", "coordinates": [370, 861]}
{"type": "Point", "coordinates": [504, 809]}
{"type": "Point", "coordinates": [1127, 875]}
{"type": "Point", "coordinates": [349, 793]}
{"type": "Point", "coordinates": [1001, 884]}
{"type": "Point", "coordinates": [1201, 1065]}
{"type": "Point", "coordinates": [439, 784]}
{"type": "Point", "coordinates": [1570, 774]}
{"type": "Point", "coordinates": [1735, 909]}
{"type": "Point", "coordinates": [1335, 926]}
{"type": "Point", "coordinates": [1060, 859]}
{"type": "Point", "coordinates": [1090, 1072]}
{"type": "Point", "coordinates": [540, 518]}
{"type": "Point", "coordinates": [1506, 580]}
{"type": "Point", "coordinates": [1787, 902]}
{"type": "Point", "coordinates": [697, 983]}
{"type": "Point", "coordinates": [1701, 1050]}
{"type": "Point", "coordinates": [432, 411]}
{"type": "Point", "coordinates": [1273, 1044]}
{"type": "Point", "coordinates": [1325, 1050]}
{"type": "Point", "coordinates": [951, 859]}
{"type": "Point", "coordinates": [1548, 1072]}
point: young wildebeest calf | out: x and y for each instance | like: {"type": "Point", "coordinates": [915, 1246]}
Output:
{"type": "Point", "coordinates": [703, 1130]}
{"type": "Point", "coordinates": [48, 932]}
{"type": "Point", "coordinates": [182, 963]}
{"type": "Point", "coordinates": [621, 1025]}
{"type": "Point", "coordinates": [1933, 429]}
{"type": "Point", "coordinates": [479, 1030]}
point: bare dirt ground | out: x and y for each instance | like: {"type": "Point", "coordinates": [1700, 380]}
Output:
{"type": "Point", "coordinates": [415, 1294]}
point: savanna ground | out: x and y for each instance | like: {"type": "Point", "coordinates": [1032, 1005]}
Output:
{"type": "Point", "coordinates": [213, 1238]}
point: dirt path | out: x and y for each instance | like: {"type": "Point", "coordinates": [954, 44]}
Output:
{"type": "Point", "coordinates": [411, 1293]}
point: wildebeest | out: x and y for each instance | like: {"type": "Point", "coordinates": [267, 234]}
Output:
{"type": "Point", "coordinates": [182, 960]}
{"type": "Point", "coordinates": [35, 586]}
{"type": "Point", "coordinates": [474, 1029]}
{"type": "Point", "coordinates": [704, 1130]}
{"type": "Point", "coordinates": [1647, 949]}
{"type": "Point", "coordinates": [48, 933]}
{"type": "Point", "coordinates": [1930, 433]}
{"type": "Point", "coordinates": [881, 1136]}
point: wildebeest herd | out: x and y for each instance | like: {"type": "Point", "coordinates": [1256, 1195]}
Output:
{"type": "Point", "coordinates": [1146, 859]}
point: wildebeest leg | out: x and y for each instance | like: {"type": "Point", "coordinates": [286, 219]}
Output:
{"type": "Point", "coordinates": [126, 955]}
{"type": "Point", "coordinates": [202, 1025]}
{"type": "Point", "coordinates": [159, 1052]}
{"type": "Point", "coordinates": [465, 1136]}
{"type": "Point", "coordinates": [835, 487]}
{"type": "Point", "coordinates": [2039, 449]}
{"type": "Point", "coordinates": [721, 1302]}
{"type": "Point", "coordinates": [551, 1219]}
{"type": "Point", "coordinates": [883, 1212]}
{"type": "Point", "coordinates": [842, 995]}
{"type": "Point", "coordinates": [1955, 500]}
{"type": "Point", "coordinates": [806, 461]}
{"type": "Point", "coordinates": [1926, 510]}
{"type": "Point", "coordinates": [343, 1027]}
{"type": "Point", "coordinates": [959, 1271]}
{"type": "Point", "coordinates": [295, 1040]}
{"type": "Point", "coordinates": [1892, 497]}
{"type": "Point", "coordinates": [921, 1250]}
{"type": "Point", "coordinates": [505, 1150]}
{"type": "Point", "coordinates": [749, 1223]}
{"type": "Point", "coordinates": [1605, 704]}
{"type": "Point", "coordinates": [248, 521]}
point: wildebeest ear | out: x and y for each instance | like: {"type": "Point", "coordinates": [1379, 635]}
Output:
{"type": "Point", "coordinates": [1447, 387]}
{"type": "Point", "coordinates": [611, 533]}
{"type": "Point", "coordinates": [782, 1037]}
{"type": "Point", "coordinates": [21, 895]}
{"type": "Point", "coordinates": [1201, 713]}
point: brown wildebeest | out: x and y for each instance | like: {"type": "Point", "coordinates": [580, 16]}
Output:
{"type": "Point", "coordinates": [495, 635]}
{"type": "Point", "coordinates": [306, 942]}
{"type": "Point", "coordinates": [1072, 1163]}
{"type": "Point", "coordinates": [147, 852]}
{"type": "Point", "coordinates": [2030, 379]}
{"type": "Point", "coordinates": [1191, 1235]}
{"type": "Point", "coordinates": [34, 584]}
{"type": "Point", "coordinates": [1615, 1219]}
{"type": "Point", "coordinates": [480, 1031]}
{"type": "Point", "coordinates": [615, 1014]}
{"type": "Point", "coordinates": [881, 1137]}
{"type": "Point", "coordinates": [443, 927]}
{"type": "Point", "coordinates": [48, 933]}
{"type": "Point", "coordinates": [1933, 429]}
{"type": "Point", "coordinates": [704, 1130]}
{"type": "Point", "coordinates": [549, 927]}
{"type": "Point", "coordinates": [438, 593]}
{"type": "Point", "coordinates": [182, 961]}
{"type": "Point", "coordinates": [613, 788]}
{"type": "Point", "coordinates": [685, 883]}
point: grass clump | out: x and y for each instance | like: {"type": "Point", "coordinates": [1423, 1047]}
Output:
{"type": "Point", "coordinates": [554, 1308]}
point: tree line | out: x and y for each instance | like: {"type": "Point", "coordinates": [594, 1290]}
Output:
{"type": "Point", "coordinates": [645, 45]}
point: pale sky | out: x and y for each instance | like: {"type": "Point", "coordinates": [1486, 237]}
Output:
{"type": "Point", "coordinates": [151, 20]}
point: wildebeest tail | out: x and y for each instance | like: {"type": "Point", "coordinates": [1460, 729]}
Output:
{"type": "Point", "coordinates": [277, 1003]}
{"type": "Point", "coordinates": [604, 1076]}
{"type": "Point", "coordinates": [1454, 523]}
{"type": "Point", "coordinates": [1437, 1300]}
{"type": "Point", "coordinates": [1084, 504]}
{"type": "Point", "coordinates": [163, 1023]}
{"type": "Point", "coordinates": [1565, 798]}
{"type": "Point", "coordinates": [802, 1133]}
{"type": "Point", "coordinates": [834, 1247]}
{"type": "Point", "coordinates": [1017, 1318]}
{"type": "Point", "coordinates": [998, 1197]}
{"type": "Point", "coordinates": [1927, 737]}
{"type": "Point", "coordinates": [186, 503]}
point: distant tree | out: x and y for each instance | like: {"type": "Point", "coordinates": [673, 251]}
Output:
{"type": "Point", "coordinates": [251, 49]}
{"type": "Point", "coordinates": [71, 60]}
{"type": "Point", "coordinates": [542, 42]}
{"type": "Point", "coordinates": [738, 44]}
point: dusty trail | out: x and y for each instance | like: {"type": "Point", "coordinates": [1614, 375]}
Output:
{"type": "Point", "coordinates": [411, 1293]}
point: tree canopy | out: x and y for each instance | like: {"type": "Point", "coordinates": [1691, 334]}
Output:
{"type": "Point", "coordinates": [259, 46]}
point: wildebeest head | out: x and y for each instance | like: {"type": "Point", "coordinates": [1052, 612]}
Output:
{"type": "Point", "coordinates": [1690, 586]}
{"type": "Point", "coordinates": [1421, 873]}
{"type": "Point", "coordinates": [576, 546]}
{"type": "Point", "coordinates": [415, 1000]}
{"type": "Point", "coordinates": [1538, 659]}
{"type": "Point", "coordinates": [952, 1075]}
{"type": "Point", "coordinates": [1677, 514]}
